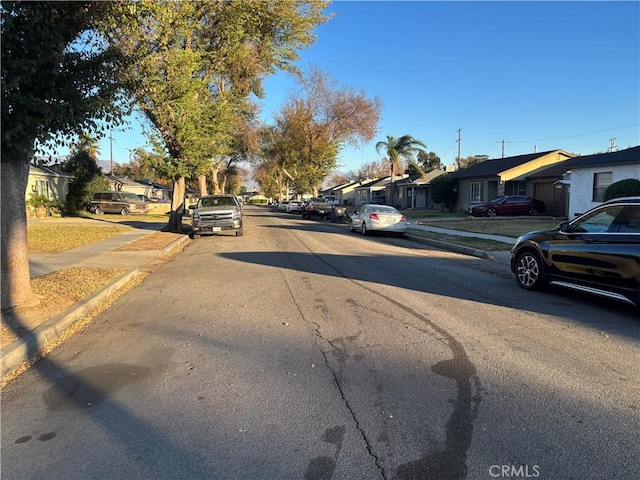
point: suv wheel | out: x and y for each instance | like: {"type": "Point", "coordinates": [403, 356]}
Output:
{"type": "Point", "coordinates": [98, 211]}
{"type": "Point", "coordinates": [529, 271]}
{"type": "Point", "coordinates": [124, 211]}
{"type": "Point", "coordinates": [239, 232]}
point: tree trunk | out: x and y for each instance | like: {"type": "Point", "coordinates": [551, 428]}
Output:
{"type": "Point", "coordinates": [15, 279]}
{"type": "Point", "coordinates": [202, 185]}
{"type": "Point", "coordinates": [214, 179]}
{"type": "Point", "coordinates": [223, 183]}
{"type": "Point", "coordinates": [177, 208]}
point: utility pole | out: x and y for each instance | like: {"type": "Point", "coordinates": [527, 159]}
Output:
{"type": "Point", "coordinates": [612, 144]}
{"type": "Point", "coordinates": [111, 150]}
{"type": "Point", "coordinates": [459, 141]}
{"type": "Point", "coordinates": [502, 142]}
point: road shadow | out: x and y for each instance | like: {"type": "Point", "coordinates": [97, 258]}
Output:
{"type": "Point", "coordinates": [446, 276]}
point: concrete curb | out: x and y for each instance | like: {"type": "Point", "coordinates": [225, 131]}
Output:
{"type": "Point", "coordinates": [28, 345]}
{"type": "Point", "coordinates": [452, 247]}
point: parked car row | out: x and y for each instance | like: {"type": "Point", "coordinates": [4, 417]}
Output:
{"type": "Point", "coordinates": [318, 207]}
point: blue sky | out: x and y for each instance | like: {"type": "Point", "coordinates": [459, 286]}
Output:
{"type": "Point", "coordinates": [538, 75]}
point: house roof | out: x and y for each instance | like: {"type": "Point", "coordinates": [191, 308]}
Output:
{"type": "Point", "coordinates": [494, 167]}
{"type": "Point", "coordinates": [47, 171]}
{"type": "Point", "coordinates": [417, 180]}
{"type": "Point", "coordinates": [379, 183]}
{"type": "Point", "coordinates": [622, 157]}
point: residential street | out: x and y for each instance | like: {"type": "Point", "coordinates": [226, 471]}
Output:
{"type": "Point", "coordinates": [303, 351]}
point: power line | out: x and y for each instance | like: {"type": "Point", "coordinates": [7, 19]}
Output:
{"type": "Point", "coordinates": [573, 136]}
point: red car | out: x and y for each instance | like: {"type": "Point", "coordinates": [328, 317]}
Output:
{"type": "Point", "coordinates": [509, 205]}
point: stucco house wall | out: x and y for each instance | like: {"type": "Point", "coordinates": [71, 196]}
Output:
{"type": "Point", "coordinates": [582, 184]}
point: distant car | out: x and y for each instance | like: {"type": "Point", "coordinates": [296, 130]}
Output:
{"type": "Point", "coordinates": [282, 206]}
{"type": "Point", "coordinates": [597, 253]}
{"type": "Point", "coordinates": [380, 218]}
{"type": "Point", "coordinates": [124, 203]}
{"type": "Point", "coordinates": [294, 206]}
{"type": "Point", "coordinates": [214, 214]}
{"type": "Point", "coordinates": [508, 205]}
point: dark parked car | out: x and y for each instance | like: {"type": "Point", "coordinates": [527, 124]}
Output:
{"type": "Point", "coordinates": [124, 203]}
{"type": "Point", "coordinates": [597, 253]}
{"type": "Point", "coordinates": [509, 205]}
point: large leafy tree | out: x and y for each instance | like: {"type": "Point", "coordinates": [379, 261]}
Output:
{"type": "Point", "coordinates": [429, 161]}
{"type": "Point", "coordinates": [315, 124]}
{"type": "Point", "coordinates": [58, 79]}
{"type": "Point", "coordinates": [196, 62]}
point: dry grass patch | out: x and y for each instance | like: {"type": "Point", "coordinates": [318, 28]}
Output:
{"type": "Point", "coordinates": [510, 227]}
{"type": "Point", "coordinates": [60, 238]}
{"type": "Point", "coordinates": [58, 291]}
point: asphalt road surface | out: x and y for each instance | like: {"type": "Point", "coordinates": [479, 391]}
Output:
{"type": "Point", "coordinates": [303, 351]}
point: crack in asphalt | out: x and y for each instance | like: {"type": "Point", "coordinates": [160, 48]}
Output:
{"type": "Point", "coordinates": [451, 462]}
{"type": "Point", "coordinates": [336, 380]}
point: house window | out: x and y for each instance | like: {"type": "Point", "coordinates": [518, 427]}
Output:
{"type": "Point", "coordinates": [600, 183]}
{"type": "Point", "coordinates": [515, 188]}
{"type": "Point", "coordinates": [475, 192]}
{"type": "Point", "coordinates": [42, 187]}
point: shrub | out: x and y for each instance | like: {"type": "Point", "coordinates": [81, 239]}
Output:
{"type": "Point", "coordinates": [444, 190]}
{"type": "Point", "coordinates": [39, 200]}
{"type": "Point", "coordinates": [624, 188]}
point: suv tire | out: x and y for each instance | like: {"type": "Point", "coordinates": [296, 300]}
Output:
{"type": "Point", "coordinates": [529, 271]}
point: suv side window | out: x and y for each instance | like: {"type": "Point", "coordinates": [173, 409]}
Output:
{"type": "Point", "coordinates": [600, 221]}
{"type": "Point", "coordinates": [631, 222]}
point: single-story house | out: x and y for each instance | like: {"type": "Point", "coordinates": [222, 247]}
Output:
{"type": "Point", "coordinates": [507, 176]}
{"type": "Point", "coordinates": [49, 182]}
{"type": "Point", "coordinates": [159, 192]}
{"type": "Point", "coordinates": [590, 176]}
{"type": "Point", "coordinates": [375, 191]}
{"type": "Point", "coordinates": [580, 182]}
{"type": "Point", "coordinates": [414, 191]}
{"type": "Point", "coordinates": [344, 193]}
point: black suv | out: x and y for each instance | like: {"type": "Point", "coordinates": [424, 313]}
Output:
{"type": "Point", "coordinates": [597, 253]}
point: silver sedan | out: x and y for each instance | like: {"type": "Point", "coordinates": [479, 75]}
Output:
{"type": "Point", "coordinates": [380, 218]}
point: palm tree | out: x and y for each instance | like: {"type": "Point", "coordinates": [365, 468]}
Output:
{"type": "Point", "coordinates": [399, 148]}
{"type": "Point", "coordinates": [87, 144]}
